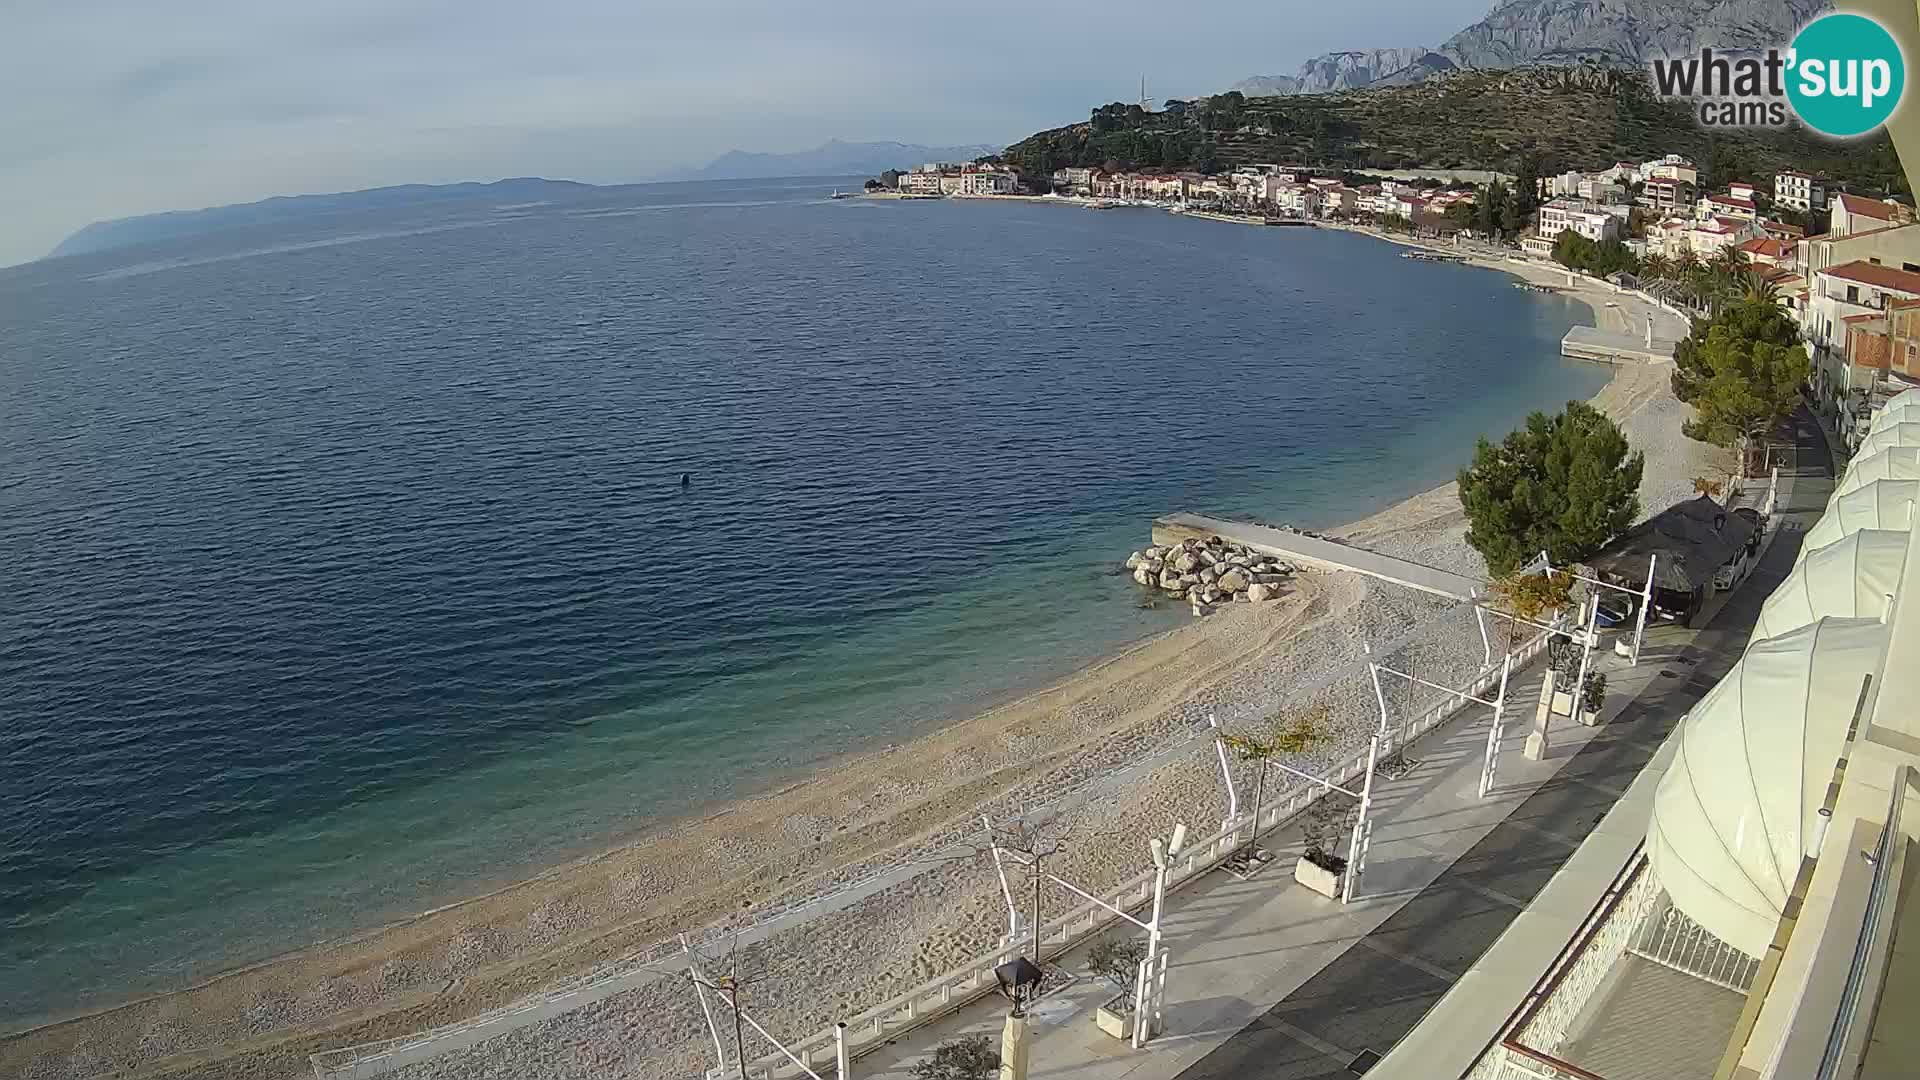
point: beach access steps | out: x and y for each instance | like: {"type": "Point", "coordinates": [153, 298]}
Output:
{"type": "Point", "coordinates": [1313, 551]}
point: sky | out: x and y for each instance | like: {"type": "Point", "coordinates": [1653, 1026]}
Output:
{"type": "Point", "coordinates": [116, 108]}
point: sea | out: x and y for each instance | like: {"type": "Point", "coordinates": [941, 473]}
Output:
{"type": "Point", "coordinates": [351, 566]}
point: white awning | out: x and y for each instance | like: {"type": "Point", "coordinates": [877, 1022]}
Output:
{"type": "Point", "coordinates": [1893, 463]}
{"type": "Point", "coordinates": [1847, 579]}
{"type": "Point", "coordinates": [1883, 504]}
{"type": "Point", "coordinates": [1739, 806]}
{"type": "Point", "coordinates": [1897, 412]}
{"type": "Point", "coordinates": [1907, 434]}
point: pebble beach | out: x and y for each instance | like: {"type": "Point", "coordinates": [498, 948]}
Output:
{"type": "Point", "coordinates": [1062, 748]}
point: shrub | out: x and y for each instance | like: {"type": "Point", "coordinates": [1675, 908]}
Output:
{"type": "Point", "coordinates": [966, 1057]}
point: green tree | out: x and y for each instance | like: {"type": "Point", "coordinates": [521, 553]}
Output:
{"type": "Point", "coordinates": [1751, 319]}
{"type": "Point", "coordinates": [1740, 386]}
{"type": "Point", "coordinates": [1562, 484]}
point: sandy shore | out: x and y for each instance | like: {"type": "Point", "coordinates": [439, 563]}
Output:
{"type": "Point", "coordinates": [873, 811]}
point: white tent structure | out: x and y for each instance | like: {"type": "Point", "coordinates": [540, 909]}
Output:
{"type": "Point", "coordinates": [1904, 412]}
{"type": "Point", "coordinates": [1883, 504]}
{"type": "Point", "coordinates": [1906, 434]}
{"type": "Point", "coordinates": [1851, 578]}
{"type": "Point", "coordinates": [1739, 807]}
{"type": "Point", "coordinates": [1893, 463]}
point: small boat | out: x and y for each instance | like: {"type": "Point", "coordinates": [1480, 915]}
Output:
{"type": "Point", "coordinates": [838, 194]}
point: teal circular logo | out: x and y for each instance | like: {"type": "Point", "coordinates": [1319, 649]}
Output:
{"type": "Point", "coordinates": [1845, 74]}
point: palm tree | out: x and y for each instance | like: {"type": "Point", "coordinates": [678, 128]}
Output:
{"type": "Point", "coordinates": [1756, 285]}
{"type": "Point", "coordinates": [1656, 266]}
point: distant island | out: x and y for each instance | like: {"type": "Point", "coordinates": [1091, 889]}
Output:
{"type": "Point", "coordinates": [173, 224]}
{"type": "Point", "coordinates": [831, 158]}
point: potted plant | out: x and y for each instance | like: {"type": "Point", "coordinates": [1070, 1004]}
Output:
{"type": "Point", "coordinates": [1563, 661]}
{"type": "Point", "coordinates": [1117, 961]}
{"type": "Point", "coordinates": [1326, 822]}
{"type": "Point", "coordinates": [1592, 696]}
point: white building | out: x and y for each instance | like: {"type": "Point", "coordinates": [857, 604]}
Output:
{"type": "Point", "coordinates": [1586, 219]}
{"type": "Point", "coordinates": [1801, 191]}
{"type": "Point", "coordinates": [1851, 214]}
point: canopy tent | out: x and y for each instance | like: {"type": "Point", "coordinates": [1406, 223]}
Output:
{"type": "Point", "coordinates": [1907, 434]}
{"type": "Point", "coordinates": [1851, 578]}
{"type": "Point", "coordinates": [1883, 504]}
{"type": "Point", "coordinates": [1739, 806]}
{"type": "Point", "coordinates": [1904, 412]}
{"type": "Point", "coordinates": [1893, 463]}
{"type": "Point", "coordinates": [1692, 539]}
{"type": "Point", "coordinates": [1912, 394]}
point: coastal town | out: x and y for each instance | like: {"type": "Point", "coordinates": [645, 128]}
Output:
{"type": "Point", "coordinates": [1845, 265]}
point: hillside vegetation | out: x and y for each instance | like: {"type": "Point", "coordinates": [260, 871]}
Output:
{"type": "Point", "coordinates": [1560, 118]}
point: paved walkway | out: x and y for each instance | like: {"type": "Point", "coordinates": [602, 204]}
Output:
{"type": "Point", "coordinates": [1325, 554]}
{"type": "Point", "coordinates": [1273, 981]}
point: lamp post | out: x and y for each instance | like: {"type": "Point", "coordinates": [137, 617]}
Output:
{"type": "Point", "coordinates": [1150, 984]}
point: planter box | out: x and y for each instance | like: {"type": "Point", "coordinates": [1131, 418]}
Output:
{"type": "Point", "coordinates": [1562, 703]}
{"type": "Point", "coordinates": [1318, 878]}
{"type": "Point", "coordinates": [1590, 717]}
{"type": "Point", "coordinates": [1115, 1022]}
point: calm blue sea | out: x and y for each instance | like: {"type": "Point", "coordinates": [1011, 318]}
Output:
{"type": "Point", "coordinates": [346, 568]}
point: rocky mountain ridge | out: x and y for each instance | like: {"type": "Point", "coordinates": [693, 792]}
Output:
{"type": "Point", "coordinates": [1348, 70]}
{"type": "Point", "coordinates": [1517, 33]}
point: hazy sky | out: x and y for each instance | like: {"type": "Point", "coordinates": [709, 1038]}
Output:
{"type": "Point", "coordinates": [116, 108]}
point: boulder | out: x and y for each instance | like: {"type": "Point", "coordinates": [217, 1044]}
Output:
{"type": "Point", "coordinates": [1154, 566]}
{"type": "Point", "coordinates": [1187, 562]}
{"type": "Point", "coordinates": [1153, 551]}
{"type": "Point", "coordinates": [1210, 595]}
{"type": "Point", "coordinates": [1209, 575]}
{"type": "Point", "coordinates": [1207, 556]}
{"type": "Point", "coordinates": [1136, 560]}
{"type": "Point", "coordinates": [1190, 579]}
{"type": "Point", "coordinates": [1169, 579]}
{"type": "Point", "coordinates": [1234, 580]}
{"type": "Point", "coordinates": [1258, 592]}
{"type": "Point", "coordinates": [1142, 576]}
{"type": "Point", "coordinates": [1242, 596]}
{"type": "Point", "coordinates": [1177, 591]}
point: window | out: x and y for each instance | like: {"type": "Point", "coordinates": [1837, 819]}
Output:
{"type": "Point", "coordinates": [1853, 294]}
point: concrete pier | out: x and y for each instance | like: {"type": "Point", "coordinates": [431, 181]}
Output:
{"type": "Point", "coordinates": [1324, 554]}
{"type": "Point", "coordinates": [1608, 347]}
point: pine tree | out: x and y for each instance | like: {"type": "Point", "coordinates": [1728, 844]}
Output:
{"type": "Point", "coordinates": [1563, 484]}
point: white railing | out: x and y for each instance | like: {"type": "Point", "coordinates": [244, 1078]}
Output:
{"type": "Point", "coordinates": [1530, 1042]}
{"type": "Point", "coordinates": [932, 999]}
{"type": "Point", "coordinates": [1668, 938]}
{"type": "Point", "coordinates": [974, 979]}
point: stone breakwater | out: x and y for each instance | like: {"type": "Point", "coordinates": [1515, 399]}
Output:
{"type": "Point", "coordinates": [1210, 572]}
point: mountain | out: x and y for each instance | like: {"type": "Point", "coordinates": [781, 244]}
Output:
{"type": "Point", "coordinates": [1554, 116]}
{"type": "Point", "coordinates": [1623, 32]}
{"type": "Point", "coordinates": [1333, 71]}
{"type": "Point", "coordinates": [147, 228]}
{"type": "Point", "coordinates": [831, 158]}
{"type": "Point", "coordinates": [1519, 33]}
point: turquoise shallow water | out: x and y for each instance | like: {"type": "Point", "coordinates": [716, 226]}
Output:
{"type": "Point", "coordinates": [347, 568]}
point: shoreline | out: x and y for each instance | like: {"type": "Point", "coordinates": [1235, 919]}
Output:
{"type": "Point", "coordinates": [852, 814]}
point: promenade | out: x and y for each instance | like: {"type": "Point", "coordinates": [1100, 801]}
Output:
{"type": "Point", "coordinates": [1270, 980]}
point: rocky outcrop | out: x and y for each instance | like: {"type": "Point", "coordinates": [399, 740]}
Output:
{"type": "Point", "coordinates": [1209, 572]}
{"type": "Point", "coordinates": [1518, 33]}
{"type": "Point", "coordinates": [1333, 71]}
{"type": "Point", "coordinates": [1623, 32]}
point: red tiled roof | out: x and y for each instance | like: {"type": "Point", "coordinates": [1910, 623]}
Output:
{"type": "Point", "coordinates": [1880, 277]}
{"type": "Point", "coordinates": [1873, 208]}
{"type": "Point", "coordinates": [1730, 200]}
{"type": "Point", "coordinates": [1769, 247]}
